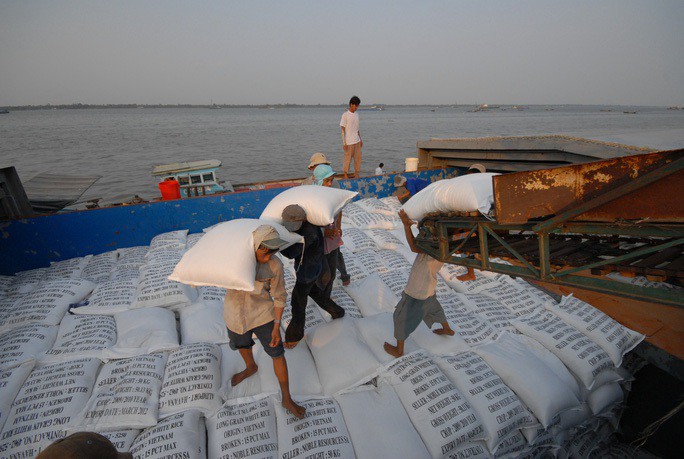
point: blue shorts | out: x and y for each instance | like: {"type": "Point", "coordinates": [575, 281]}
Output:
{"type": "Point", "coordinates": [263, 333]}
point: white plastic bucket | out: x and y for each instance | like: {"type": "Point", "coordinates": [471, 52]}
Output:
{"type": "Point", "coordinates": [411, 164]}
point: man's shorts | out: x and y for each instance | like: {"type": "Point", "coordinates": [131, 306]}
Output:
{"type": "Point", "coordinates": [263, 333]}
{"type": "Point", "coordinates": [410, 312]}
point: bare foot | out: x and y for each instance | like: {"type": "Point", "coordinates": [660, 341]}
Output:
{"type": "Point", "coordinates": [392, 350]}
{"type": "Point", "coordinates": [443, 331]}
{"type": "Point", "coordinates": [346, 176]}
{"type": "Point", "coordinates": [466, 277]}
{"type": "Point", "coordinates": [292, 407]}
{"type": "Point", "coordinates": [290, 344]}
{"type": "Point", "coordinates": [244, 374]}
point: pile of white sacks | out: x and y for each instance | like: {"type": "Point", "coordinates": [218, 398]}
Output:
{"type": "Point", "coordinates": [145, 361]}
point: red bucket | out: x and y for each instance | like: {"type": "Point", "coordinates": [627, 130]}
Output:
{"type": "Point", "coordinates": [170, 189]}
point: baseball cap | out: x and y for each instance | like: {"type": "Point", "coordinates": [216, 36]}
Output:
{"type": "Point", "coordinates": [83, 445]}
{"type": "Point", "coordinates": [477, 167]}
{"type": "Point", "coordinates": [399, 180]}
{"type": "Point", "coordinates": [316, 159]}
{"type": "Point", "coordinates": [293, 217]}
{"type": "Point", "coordinates": [267, 236]}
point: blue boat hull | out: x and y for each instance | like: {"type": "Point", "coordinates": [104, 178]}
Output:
{"type": "Point", "coordinates": [35, 242]}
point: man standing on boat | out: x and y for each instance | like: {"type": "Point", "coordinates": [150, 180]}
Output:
{"type": "Point", "coordinates": [351, 138]}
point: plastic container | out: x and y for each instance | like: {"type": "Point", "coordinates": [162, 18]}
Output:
{"type": "Point", "coordinates": [170, 189]}
{"type": "Point", "coordinates": [411, 164]}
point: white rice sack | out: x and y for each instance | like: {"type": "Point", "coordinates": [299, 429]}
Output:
{"type": "Point", "coordinates": [6, 311]}
{"type": "Point", "coordinates": [232, 363]}
{"type": "Point", "coordinates": [535, 383]}
{"type": "Point", "coordinates": [203, 323]}
{"type": "Point", "coordinates": [512, 446]}
{"type": "Point", "coordinates": [378, 329]}
{"type": "Point", "coordinates": [5, 283]}
{"type": "Point", "coordinates": [355, 268]}
{"type": "Point", "coordinates": [183, 435]}
{"type": "Point", "coordinates": [109, 298]}
{"type": "Point", "coordinates": [371, 261]}
{"type": "Point", "coordinates": [25, 281]}
{"type": "Point", "coordinates": [100, 267]}
{"type": "Point", "coordinates": [224, 257]}
{"type": "Point", "coordinates": [81, 336]}
{"type": "Point", "coordinates": [604, 397]}
{"type": "Point", "coordinates": [466, 193]}
{"type": "Point", "coordinates": [157, 289]}
{"type": "Point", "coordinates": [322, 432]}
{"type": "Point", "coordinates": [208, 293]}
{"type": "Point", "coordinates": [133, 255]}
{"type": "Point", "coordinates": [342, 358]}
{"type": "Point", "coordinates": [192, 239]}
{"type": "Point", "coordinates": [367, 408]}
{"type": "Point", "coordinates": [301, 371]}
{"type": "Point", "coordinates": [48, 303]}
{"type": "Point", "coordinates": [313, 316]}
{"type": "Point", "coordinates": [11, 382]}
{"type": "Point", "coordinates": [342, 298]}
{"type": "Point", "coordinates": [440, 414]}
{"type": "Point", "coordinates": [46, 404]}
{"type": "Point", "coordinates": [240, 430]}
{"type": "Point", "coordinates": [518, 301]}
{"type": "Point", "coordinates": [450, 274]}
{"type": "Point", "coordinates": [392, 202]}
{"type": "Point", "coordinates": [372, 296]}
{"type": "Point", "coordinates": [439, 344]}
{"type": "Point", "coordinates": [496, 405]}
{"type": "Point", "coordinates": [374, 206]}
{"type": "Point", "coordinates": [393, 260]}
{"type": "Point", "coordinates": [192, 379]}
{"type": "Point", "coordinates": [321, 204]}
{"type": "Point", "coordinates": [24, 344]}
{"type": "Point", "coordinates": [143, 331]}
{"type": "Point", "coordinates": [384, 239]}
{"type": "Point", "coordinates": [66, 269]}
{"type": "Point", "coordinates": [578, 352]}
{"type": "Point", "coordinates": [171, 240]}
{"type": "Point", "coordinates": [480, 284]}
{"type": "Point", "coordinates": [396, 280]}
{"type": "Point", "coordinates": [366, 221]}
{"type": "Point", "coordinates": [472, 329]}
{"type": "Point", "coordinates": [490, 309]}
{"type": "Point", "coordinates": [613, 337]}
{"type": "Point", "coordinates": [126, 272]}
{"type": "Point", "coordinates": [546, 356]}
{"type": "Point", "coordinates": [122, 439]}
{"type": "Point", "coordinates": [126, 395]}
{"type": "Point", "coordinates": [164, 255]}
{"type": "Point", "coordinates": [357, 240]}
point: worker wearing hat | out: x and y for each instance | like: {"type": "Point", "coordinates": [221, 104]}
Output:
{"type": "Point", "coordinates": [316, 160]}
{"type": "Point", "coordinates": [313, 273]}
{"type": "Point", "coordinates": [83, 445]}
{"type": "Point", "coordinates": [258, 312]}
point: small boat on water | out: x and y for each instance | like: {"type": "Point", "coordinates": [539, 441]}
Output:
{"type": "Point", "coordinates": [4, 111]}
{"type": "Point", "coordinates": [194, 177]}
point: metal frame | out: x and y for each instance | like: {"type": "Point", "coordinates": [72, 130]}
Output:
{"type": "Point", "coordinates": [434, 239]}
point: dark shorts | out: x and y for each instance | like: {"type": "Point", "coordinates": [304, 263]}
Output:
{"type": "Point", "coordinates": [263, 333]}
{"type": "Point", "coordinates": [410, 312]}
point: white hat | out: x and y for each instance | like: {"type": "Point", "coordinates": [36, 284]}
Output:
{"type": "Point", "coordinates": [316, 159]}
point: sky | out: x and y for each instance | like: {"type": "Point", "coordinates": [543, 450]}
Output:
{"type": "Point", "coordinates": [622, 52]}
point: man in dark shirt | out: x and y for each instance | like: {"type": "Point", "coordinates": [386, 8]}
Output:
{"type": "Point", "coordinates": [313, 273]}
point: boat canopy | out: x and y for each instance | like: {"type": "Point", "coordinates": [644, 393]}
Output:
{"type": "Point", "coordinates": [48, 192]}
{"type": "Point", "coordinates": [175, 168]}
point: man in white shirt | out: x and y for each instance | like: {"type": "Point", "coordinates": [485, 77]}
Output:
{"type": "Point", "coordinates": [379, 170]}
{"type": "Point", "coordinates": [351, 138]}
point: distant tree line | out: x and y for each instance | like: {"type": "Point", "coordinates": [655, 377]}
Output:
{"type": "Point", "coordinates": [103, 106]}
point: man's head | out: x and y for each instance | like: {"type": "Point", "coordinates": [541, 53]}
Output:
{"type": "Point", "coordinates": [316, 159]}
{"type": "Point", "coordinates": [476, 168]}
{"type": "Point", "coordinates": [266, 242]}
{"type": "Point", "coordinates": [293, 216]}
{"type": "Point", "coordinates": [381, 165]}
{"type": "Point", "coordinates": [83, 445]}
{"type": "Point", "coordinates": [399, 180]}
{"type": "Point", "coordinates": [324, 175]}
{"type": "Point", "coordinates": [354, 103]}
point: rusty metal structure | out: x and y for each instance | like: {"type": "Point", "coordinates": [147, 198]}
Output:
{"type": "Point", "coordinates": [571, 225]}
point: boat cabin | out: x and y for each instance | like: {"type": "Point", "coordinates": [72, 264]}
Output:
{"type": "Point", "coordinates": [194, 177]}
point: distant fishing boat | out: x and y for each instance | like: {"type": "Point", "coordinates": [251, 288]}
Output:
{"type": "Point", "coordinates": [194, 177]}
{"type": "Point", "coordinates": [3, 111]}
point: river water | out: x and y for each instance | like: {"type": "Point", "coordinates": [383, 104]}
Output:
{"type": "Point", "coordinates": [257, 144]}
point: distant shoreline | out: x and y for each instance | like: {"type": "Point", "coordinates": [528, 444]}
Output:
{"type": "Point", "coordinates": [281, 106]}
